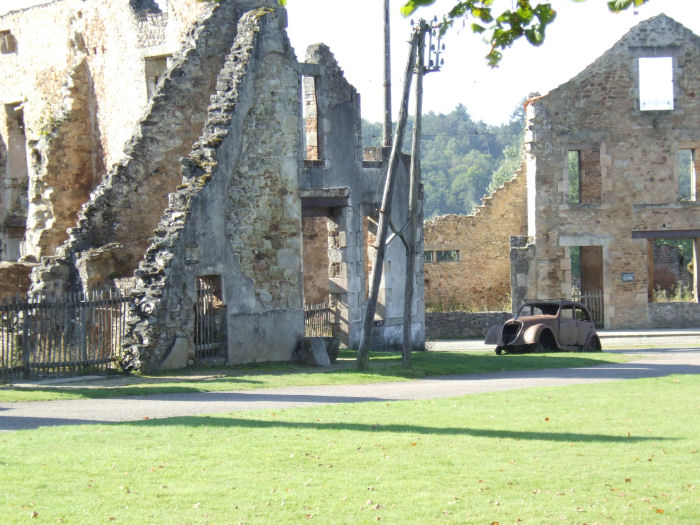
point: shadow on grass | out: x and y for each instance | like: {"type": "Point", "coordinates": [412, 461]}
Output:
{"type": "Point", "coordinates": [209, 421]}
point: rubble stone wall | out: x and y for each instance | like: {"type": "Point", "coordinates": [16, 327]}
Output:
{"type": "Point", "coordinates": [600, 109]}
{"type": "Point", "coordinates": [462, 325]}
{"type": "Point", "coordinates": [480, 279]}
{"type": "Point", "coordinates": [126, 206]}
{"type": "Point", "coordinates": [238, 215]}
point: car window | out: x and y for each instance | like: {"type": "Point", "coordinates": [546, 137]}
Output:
{"type": "Point", "coordinates": [581, 314]}
{"type": "Point", "coordinates": [538, 309]}
{"type": "Point", "coordinates": [567, 312]}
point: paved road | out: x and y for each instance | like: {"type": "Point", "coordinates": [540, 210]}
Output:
{"type": "Point", "coordinates": [16, 416]}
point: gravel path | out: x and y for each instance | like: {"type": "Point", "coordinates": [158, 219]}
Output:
{"type": "Point", "coordinates": [30, 415]}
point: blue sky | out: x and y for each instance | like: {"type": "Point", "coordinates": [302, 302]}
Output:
{"type": "Point", "coordinates": [582, 32]}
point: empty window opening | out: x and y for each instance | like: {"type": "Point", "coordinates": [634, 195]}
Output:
{"type": "Point", "coordinates": [687, 175]}
{"type": "Point", "coordinates": [574, 162]}
{"type": "Point", "coordinates": [447, 256]}
{"type": "Point", "coordinates": [672, 264]}
{"type": "Point", "coordinates": [8, 43]}
{"type": "Point", "coordinates": [655, 83]}
{"type": "Point", "coordinates": [154, 68]}
{"type": "Point", "coordinates": [209, 317]}
{"type": "Point", "coordinates": [585, 176]}
{"type": "Point", "coordinates": [312, 128]}
{"type": "Point", "coordinates": [145, 7]}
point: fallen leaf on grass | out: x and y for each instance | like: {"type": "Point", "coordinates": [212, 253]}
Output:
{"type": "Point", "coordinates": [35, 514]}
{"type": "Point", "coordinates": [659, 511]}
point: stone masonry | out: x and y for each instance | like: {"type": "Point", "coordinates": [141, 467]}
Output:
{"type": "Point", "coordinates": [73, 65]}
{"type": "Point", "coordinates": [480, 279]}
{"type": "Point", "coordinates": [636, 198]}
{"type": "Point", "coordinates": [204, 204]}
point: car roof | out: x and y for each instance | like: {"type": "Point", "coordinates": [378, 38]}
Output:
{"type": "Point", "coordinates": [560, 302]}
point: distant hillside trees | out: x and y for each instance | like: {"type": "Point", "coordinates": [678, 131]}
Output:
{"type": "Point", "coordinates": [462, 160]}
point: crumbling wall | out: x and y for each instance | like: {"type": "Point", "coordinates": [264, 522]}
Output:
{"type": "Point", "coordinates": [237, 215]}
{"type": "Point", "coordinates": [480, 279]}
{"type": "Point", "coordinates": [340, 167]}
{"type": "Point", "coordinates": [65, 164]}
{"type": "Point", "coordinates": [125, 208]}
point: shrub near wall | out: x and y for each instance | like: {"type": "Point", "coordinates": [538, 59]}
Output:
{"type": "Point", "coordinates": [461, 325]}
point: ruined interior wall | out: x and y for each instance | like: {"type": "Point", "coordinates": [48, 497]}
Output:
{"type": "Point", "coordinates": [340, 166]}
{"type": "Point", "coordinates": [315, 241]}
{"type": "Point", "coordinates": [64, 166]}
{"type": "Point", "coordinates": [125, 208]}
{"type": "Point", "coordinates": [118, 39]}
{"type": "Point", "coordinates": [238, 215]}
{"type": "Point", "coordinates": [36, 72]}
{"type": "Point", "coordinates": [481, 278]}
{"type": "Point", "coordinates": [639, 177]}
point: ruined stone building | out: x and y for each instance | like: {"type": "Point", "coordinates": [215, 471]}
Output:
{"type": "Point", "coordinates": [467, 260]}
{"type": "Point", "coordinates": [180, 148]}
{"type": "Point", "coordinates": [610, 171]}
{"type": "Point", "coordinates": [606, 155]}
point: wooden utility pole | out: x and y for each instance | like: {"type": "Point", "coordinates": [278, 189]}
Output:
{"type": "Point", "coordinates": [386, 130]}
{"type": "Point", "coordinates": [385, 213]}
{"type": "Point", "coordinates": [413, 208]}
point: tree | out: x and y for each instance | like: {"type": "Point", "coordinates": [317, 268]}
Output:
{"type": "Point", "coordinates": [526, 19]}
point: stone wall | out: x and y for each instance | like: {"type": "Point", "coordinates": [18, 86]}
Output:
{"type": "Point", "coordinates": [79, 71]}
{"type": "Point", "coordinates": [462, 325]}
{"type": "Point", "coordinates": [340, 170]}
{"type": "Point", "coordinates": [481, 277]}
{"type": "Point", "coordinates": [598, 111]}
{"type": "Point", "coordinates": [238, 215]}
{"type": "Point", "coordinates": [14, 279]}
{"type": "Point", "coordinates": [674, 315]}
{"type": "Point", "coordinates": [125, 208]}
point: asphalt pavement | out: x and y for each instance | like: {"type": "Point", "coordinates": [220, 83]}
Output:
{"type": "Point", "coordinates": [680, 355]}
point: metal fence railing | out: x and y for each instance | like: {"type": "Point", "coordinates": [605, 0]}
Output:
{"type": "Point", "coordinates": [318, 320]}
{"type": "Point", "coordinates": [594, 302]}
{"type": "Point", "coordinates": [60, 335]}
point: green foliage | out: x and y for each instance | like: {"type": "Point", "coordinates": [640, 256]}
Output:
{"type": "Point", "coordinates": [525, 19]}
{"type": "Point", "coordinates": [460, 157]}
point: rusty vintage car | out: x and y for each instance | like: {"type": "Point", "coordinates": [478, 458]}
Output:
{"type": "Point", "coordinates": [546, 325]}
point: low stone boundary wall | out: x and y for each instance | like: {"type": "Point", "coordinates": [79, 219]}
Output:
{"type": "Point", "coordinates": [674, 315]}
{"type": "Point", "coordinates": [454, 325]}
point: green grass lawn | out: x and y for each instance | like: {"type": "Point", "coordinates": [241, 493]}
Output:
{"type": "Point", "coordinates": [383, 367]}
{"type": "Point", "coordinates": [622, 452]}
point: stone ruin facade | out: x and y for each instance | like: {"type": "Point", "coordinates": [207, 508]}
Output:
{"type": "Point", "coordinates": [602, 180]}
{"type": "Point", "coordinates": [242, 175]}
{"type": "Point", "coordinates": [603, 176]}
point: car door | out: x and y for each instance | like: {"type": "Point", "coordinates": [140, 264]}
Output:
{"type": "Point", "coordinates": [568, 329]}
{"type": "Point", "coordinates": [585, 325]}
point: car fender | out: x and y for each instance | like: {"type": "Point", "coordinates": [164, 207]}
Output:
{"type": "Point", "coordinates": [493, 335]}
{"type": "Point", "coordinates": [532, 333]}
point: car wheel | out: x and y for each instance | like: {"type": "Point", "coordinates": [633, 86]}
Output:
{"type": "Point", "coordinates": [592, 344]}
{"type": "Point", "coordinates": [499, 350]}
{"type": "Point", "coordinates": [538, 347]}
